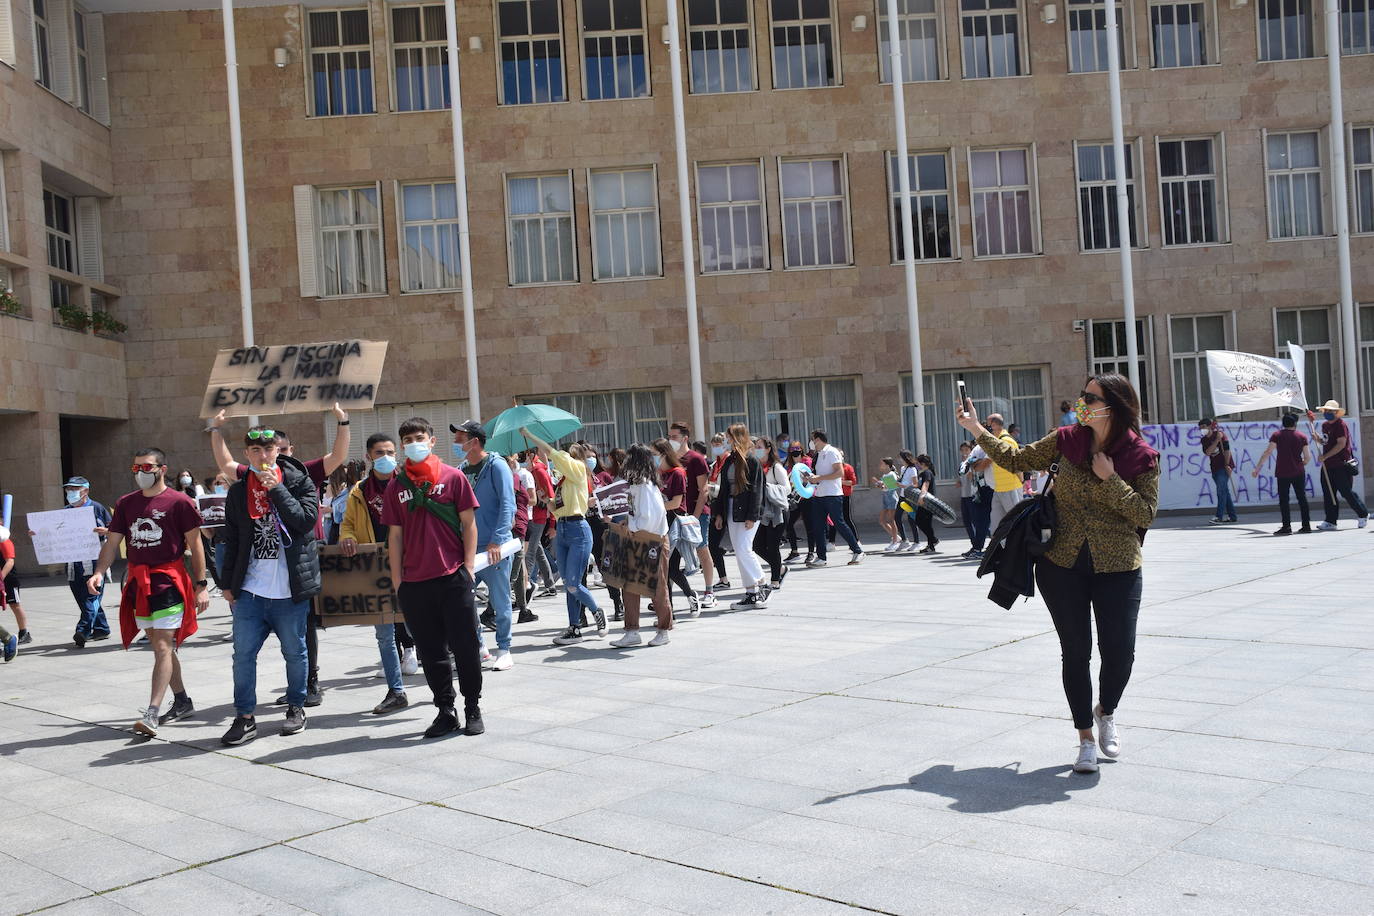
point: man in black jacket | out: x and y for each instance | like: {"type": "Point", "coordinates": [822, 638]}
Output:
{"type": "Point", "coordinates": [271, 571]}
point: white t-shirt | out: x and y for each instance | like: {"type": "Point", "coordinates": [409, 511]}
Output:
{"type": "Point", "coordinates": [267, 576]}
{"type": "Point", "coordinates": [646, 509]}
{"type": "Point", "coordinates": [828, 461]}
{"type": "Point", "coordinates": [909, 475]}
{"type": "Point", "coordinates": [526, 479]}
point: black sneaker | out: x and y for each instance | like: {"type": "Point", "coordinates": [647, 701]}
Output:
{"type": "Point", "coordinates": [619, 612]}
{"type": "Point", "coordinates": [1284, 530]}
{"type": "Point", "coordinates": [1305, 529]}
{"type": "Point", "coordinates": [488, 620]}
{"type": "Point", "coordinates": [600, 616]}
{"type": "Point", "coordinates": [25, 637]}
{"type": "Point", "coordinates": [791, 556]}
{"type": "Point", "coordinates": [313, 693]}
{"type": "Point", "coordinates": [748, 602]}
{"type": "Point", "coordinates": [474, 717]}
{"type": "Point", "coordinates": [181, 709]}
{"type": "Point", "coordinates": [548, 592]}
{"type": "Point", "coordinates": [569, 637]}
{"type": "Point", "coordinates": [443, 724]}
{"type": "Point", "coordinates": [783, 576]}
{"type": "Point", "coordinates": [243, 730]}
{"type": "Point", "coordinates": [929, 548]}
{"type": "Point", "coordinates": [764, 591]}
{"type": "Point", "coordinates": [295, 720]}
{"type": "Point", "coordinates": [99, 635]}
{"type": "Point", "coordinates": [721, 586]}
{"type": "Point", "coordinates": [394, 700]}
{"type": "Point", "coordinates": [79, 639]}
{"type": "Point", "coordinates": [527, 617]}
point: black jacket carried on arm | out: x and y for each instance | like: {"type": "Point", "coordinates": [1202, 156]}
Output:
{"type": "Point", "coordinates": [749, 504]}
{"type": "Point", "coordinates": [298, 506]}
{"type": "Point", "coordinates": [1021, 538]}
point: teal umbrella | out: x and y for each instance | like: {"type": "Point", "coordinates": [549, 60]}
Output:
{"type": "Point", "coordinates": [547, 422]}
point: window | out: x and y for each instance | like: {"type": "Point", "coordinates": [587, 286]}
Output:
{"type": "Point", "coordinates": [340, 63]}
{"type": "Point", "coordinates": [815, 213]}
{"type": "Point", "coordinates": [931, 220]}
{"type": "Point", "coordinates": [541, 244]}
{"type": "Point", "coordinates": [804, 44]}
{"type": "Point", "coordinates": [1004, 220]}
{"type": "Point", "coordinates": [1087, 25]}
{"type": "Point", "coordinates": [617, 62]}
{"type": "Point", "coordinates": [730, 214]}
{"type": "Point", "coordinates": [1192, 202]}
{"type": "Point", "coordinates": [1293, 173]}
{"type": "Point", "coordinates": [1107, 353]}
{"type": "Point", "coordinates": [531, 51]}
{"type": "Point", "coordinates": [719, 52]}
{"type": "Point", "coordinates": [1096, 172]}
{"type": "Point", "coordinates": [4, 209]}
{"type": "Point", "coordinates": [419, 49]}
{"type": "Point", "coordinates": [8, 55]}
{"type": "Point", "coordinates": [1362, 165]}
{"type": "Point", "coordinates": [42, 47]}
{"type": "Point", "coordinates": [624, 207]}
{"type": "Point", "coordinates": [794, 408]}
{"type": "Point", "coordinates": [1366, 319]}
{"type": "Point", "coordinates": [613, 419]}
{"type": "Point", "coordinates": [1189, 337]}
{"type": "Point", "coordinates": [429, 238]}
{"type": "Point", "coordinates": [1018, 394]}
{"type": "Point", "coordinates": [1309, 328]}
{"type": "Point", "coordinates": [387, 418]}
{"type": "Point", "coordinates": [83, 62]}
{"type": "Point", "coordinates": [992, 38]}
{"type": "Point", "coordinates": [1285, 29]}
{"type": "Point", "coordinates": [350, 242]}
{"type": "Point", "coordinates": [1357, 26]}
{"type": "Point", "coordinates": [918, 30]}
{"type": "Point", "coordinates": [1180, 34]}
{"type": "Point", "coordinates": [59, 218]}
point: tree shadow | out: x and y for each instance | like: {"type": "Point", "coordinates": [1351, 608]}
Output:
{"type": "Point", "coordinates": [985, 790]}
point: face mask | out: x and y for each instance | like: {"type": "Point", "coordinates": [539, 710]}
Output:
{"type": "Point", "coordinates": [658, 461]}
{"type": "Point", "coordinates": [591, 463]}
{"type": "Point", "coordinates": [184, 480]}
{"type": "Point", "coordinates": [1329, 414]}
{"type": "Point", "coordinates": [384, 464]}
{"type": "Point", "coordinates": [760, 454]}
{"type": "Point", "coordinates": [145, 479]}
{"type": "Point", "coordinates": [795, 453]}
{"type": "Point", "coordinates": [678, 444]}
{"type": "Point", "coordinates": [417, 451]}
{"type": "Point", "coordinates": [73, 497]}
{"type": "Point", "coordinates": [525, 465]}
{"type": "Point", "coordinates": [784, 443]}
{"type": "Point", "coordinates": [1087, 414]}
{"type": "Point", "coordinates": [717, 451]}
{"type": "Point", "coordinates": [221, 490]}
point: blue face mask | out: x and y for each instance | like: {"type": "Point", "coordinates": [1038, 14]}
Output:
{"type": "Point", "coordinates": [384, 464]}
{"type": "Point", "coordinates": [760, 454]}
{"type": "Point", "coordinates": [591, 463]}
{"type": "Point", "coordinates": [1329, 414]}
{"type": "Point", "coordinates": [717, 451]}
{"type": "Point", "coordinates": [417, 451]}
{"type": "Point", "coordinates": [221, 491]}
{"type": "Point", "coordinates": [658, 461]}
{"type": "Point", "coordinates": [73, 497]}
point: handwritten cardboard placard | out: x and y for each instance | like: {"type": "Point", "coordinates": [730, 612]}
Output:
{"type": "Point", "coordinates": [295, 378]}
{"type": "Point", "coordinates": [211, 511]}
{"type": "Point", "coordinates": [65, 535]}
{"type": "Point", "coordinates": [614, 500]}
{"type": "Point", "coordinates": [633, 560]}
{"type": "Point", "coordinates": [356, 590]}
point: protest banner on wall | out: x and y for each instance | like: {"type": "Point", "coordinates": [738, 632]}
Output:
{"type": "Point", "coordinates": [1186, 478]}
{"type": "Point", "coordinates": [211, 511]}
{"type": "Point", "coordinates": [65, 535]}
{"type": "Point", "coordinates": [1247, 381]}
{"type": "Point", "coordinates": [614, 500]}
{"type": "Point", "coordinates": [295, 378]}
{"type": "Point", "coordinates": [632, 560]}
{"type": "Point", "coordinates": [356, 590]}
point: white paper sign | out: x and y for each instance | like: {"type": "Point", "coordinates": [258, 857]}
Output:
{"type": "Point", "coordinates": [65, 535]}
{"type": "Point", "coordinates": [1246, 381]}
{"type": "Point", "coordinates": [508, 549]}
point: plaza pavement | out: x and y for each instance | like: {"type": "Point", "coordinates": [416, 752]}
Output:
{"type": "Point", "coordinates": [880, 738]}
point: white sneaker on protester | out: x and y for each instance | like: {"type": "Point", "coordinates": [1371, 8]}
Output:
{"type": "Point", "coordinates": [660, 638]}
{"type": "Point", "coordinates": [903, 546]}
{"type": "Point", "coordinates": [856, 558]}
{"type": "Point", "coordinates": [1106, 733]}
{"type": "Point", "coordinates": [1087, 757]}
{"type": "Point", "coordinates": [409, 663]}
{"type": "Point", "coordinates": [895, 545]}
{"type": "Point", "coordinates": [486, 655]}
{"type": "Point", "coordinates": [1362, 522]}
{"type": "Point", "coordinates": [502, 660]}
{"type": "Point", "coordinates": [630, 640]}
{"type": "Point", "coordinates": [1326, 526]}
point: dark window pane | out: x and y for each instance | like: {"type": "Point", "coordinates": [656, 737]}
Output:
{"type": "Point", "coordinates": [405, 24]}
{"type": "Point", "coordinates": [355, 29]}
{"type": "Point", "coordinates": [815, 9]}
{"type": "Point", "coordinates": [544, 18]}
{"type": "Point", "coordinates": [786, 9]}
{"type": "Point", "coordinates": [514, 19]}
{"type": "Point", "coordinates": [596, 15]}
{"type": "Point", "coordinates": [324, 30]}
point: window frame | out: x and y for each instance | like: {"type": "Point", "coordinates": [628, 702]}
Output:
{"type": "Point", "coordinates": [1314, 34]}
{"type": "Point", "coordinates": [67, 237]}
{"type": "Point", "coordinates": [1322, 183]}
{"type": "Point", "coordinates": [1223, 216]}
{"type": "Point", "coordinates": [350, 230]}
{"type": "Point", "coordinates": [307, 59]}
{"type": "Point", "coordinates": [941, 43]}
{"type": "Point", "coordinates": [1354, 171]}
{"type": "Point", "coordinates": [613, 33]}
{"type": "Point", "coordinates": [1211, 42]}
{"type": "Point", "coordinates": [1023, 58]}
{"type": "Point", "coordinates": [42, 46]}
{"type": "Point", "coordinates": [1032, 175]}
{"type": "Point", "coordinates": [843, 160]}
{"type": "Point", "coordinates": [1332, 345]}
{"type": "Point", "coordinates": [593, 212]}
{"type": "Point", "coordinates": [1125, 24]}
{"type": "Point", "coordinates": [572, 228]}
{"type": "Point", "coordinates": [836, 55]}
{"type": "Point", "coordinates": [392, 46]}
{"type": "Point", "coordinates": [1228, 336]}
{"type": "Point", "coordinates": [762, 208]}
{"type": "Point", "coordinates": [530, 39]}
{"type": "Point", "coordinates": [402, 224]}
{"type": "Point", "coordinates": [1364, 357]}
{"type": "Point", "coordinates": [1368, 37]}
{"type": "Point", "coordinates": [82, 73]}
{"type": "Point", "coordinates": [772, 417]}
{"type": "Point", "coordinates": [929, 388]}
{"type": "Point", "coordinates": [689, 30]}
{"type": "Point", "coordinates": [1146, 355]}
{"type": "Point", "coordinates": [894, 201]}
{"type": "Point", "coordinates": [1135, 146]}
{"type": "Point", "coordinates": [634, 419]}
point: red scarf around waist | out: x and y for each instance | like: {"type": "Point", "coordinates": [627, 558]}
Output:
{"type": "Point", "coordinates": [134, 600]}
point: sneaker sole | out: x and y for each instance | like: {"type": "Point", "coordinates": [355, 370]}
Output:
{"type": "Point", "coordinates": [244, 740]}
{"type": "Point", "coordinates": [142, 728]}
{"type": "Point", "coordinates": [292, 731]}
{"type": "Point", "coordinates": [1085, 770]}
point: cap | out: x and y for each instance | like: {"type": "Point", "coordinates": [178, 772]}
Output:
{"type": "Point", "coordinates": [77, 482]}
{"type": "Point", "coordinates": [472, 428]}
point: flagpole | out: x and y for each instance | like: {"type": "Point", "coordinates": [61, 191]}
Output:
{"type": "Point", "coordinates": [1123, 201]}
{"type": "Point", "coordinates": [460, 188]}
{"type": "Point", "coordinates": [231, 67]}
{"type": "Point", "coordinates": [1340, 204]}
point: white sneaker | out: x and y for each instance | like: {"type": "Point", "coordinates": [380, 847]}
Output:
{"type": "Point", "coordinates": [1362, 522]}
{"type": "Point", "coordinates": [706, 599]}
{"type": "Point", "coordinates": [486, 655]}
{"type": "Point", "coordinates": [660, 638]}
{"type": "Point", "coordinates": [1106, 734]}
{"type": "Point", "coordinates": [895, 545]}
{"type": "Point", "coordinates": [147, 723]}
{"type": "Point", "coordinates": [817, 563]}
{"type": "Point", "coordinates": [856, 558]}
{"type": "Point", "coordinates": [1326, 526]}
{"type": "Point", "coordinates": [903, 547]}
{"type": "Point", "coordinates": [502, 660]}
{"type": "Point", "coordinates": [379, 673]}
{"type": "Point", "coordinates": [628, 641]}
{"type": "Point", "coordinates": [1087, 757]}
{"type": "Point", "coordinates": [409, 663]}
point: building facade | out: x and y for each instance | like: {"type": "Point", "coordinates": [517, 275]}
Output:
{"type": "Point", "coordinates": [576, 245]}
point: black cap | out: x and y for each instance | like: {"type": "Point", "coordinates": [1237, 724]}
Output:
{"type": "Point", "coordinates": [472, 428]}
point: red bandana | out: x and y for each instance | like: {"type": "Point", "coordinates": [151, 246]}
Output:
{"type": "Point", "coordinates": [259, 504]}
{"type": "Point", "coordinates": [427, 470]}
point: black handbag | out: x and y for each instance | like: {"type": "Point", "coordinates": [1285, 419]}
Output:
{"type": "Point", "coordinates": [1046, 514]}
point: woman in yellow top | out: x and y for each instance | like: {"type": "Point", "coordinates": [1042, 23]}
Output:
{"type": "Point", "coordinates": [1107, 493]}
{"type": "Point", "coordinates": [573, 538]}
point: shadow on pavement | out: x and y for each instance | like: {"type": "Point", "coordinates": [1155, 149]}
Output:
{"type": "Point", "coordinates": [983, 790]}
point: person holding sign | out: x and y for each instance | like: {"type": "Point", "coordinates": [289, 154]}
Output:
{"type": "Point", "coordinates": [90, 622]}
{"type": "Point", "coordinates": [647, 514]}
{"type": "Point", "coordinates": [1291, 455]}
{"type": "Point", "coordinates": [159, 597]}
{"type": "Point", "coordinates": [1338, 468]}
{"type": "Point", "coordinates": [432, 547]}
{"type": "Point", "coordinates": [1216, 445]}
{"type": "Point", "coordinates": [494, 488]}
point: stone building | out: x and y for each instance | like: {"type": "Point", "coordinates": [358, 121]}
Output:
{"type": "Point", "coordinates": [117, 200]}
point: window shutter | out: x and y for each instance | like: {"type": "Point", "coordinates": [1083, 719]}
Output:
{"type": "Point", "coordinates": [60, 48]}
{"type": "Point", "coordinates": [90, 263]}
{"type": "Point", "coordinates": [7, 53]}
{"type": "Point", "coordinates": [95, 54]}
{"type": "Point", "coordinates": [305, 239]}
{"type": "Point", "coordinates": [4, 210]}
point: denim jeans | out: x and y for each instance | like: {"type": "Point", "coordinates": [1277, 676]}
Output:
{"type": "Point", "coordinates": [1226, 505]}
{"type": "Point", "coordinates": [573, 546]}
{"type": "Point", "coordinates": [92, 619]}
{"type": "Point", "coordinates": [832, 507]}
{"type": "Point", "coordinates": [254, 618]}
{"type": "Point", "coordinates": [497, 579]}
{"type": "Point", "coordinates": [391, 659]}
{"type": "Point", "coordinates": [536, 558]}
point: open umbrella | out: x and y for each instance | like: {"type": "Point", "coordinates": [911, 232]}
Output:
{"type": "Point", "coordinates": [547, 422]}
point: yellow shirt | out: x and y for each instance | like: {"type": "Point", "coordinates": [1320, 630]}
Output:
{"type": "Point", "coordinates": [1003, 480]}
{"type": "Point", "coordinates": [573, 489]}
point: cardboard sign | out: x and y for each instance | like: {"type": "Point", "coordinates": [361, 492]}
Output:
{"type": "Point", "coordinates": [633, 560]}
{"type": "Point", "coordinates": [65, 535]}
{"type": "Point", "coordinates": [211, 511]}
{"type": "Point", "coordinates": [356, 590]}
{"type": "Point", "coordinates": [1247, 381]}
{"type": "Point", "coordinates": [614, 500]}
{"type": "Point", "coordinates": [295, 378]}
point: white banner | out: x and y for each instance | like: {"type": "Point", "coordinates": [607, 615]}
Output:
{"type": "Point", "coordinates": [1246, 381]}
{"type": "Point", "coordinates": [1185, 474]}
{"type": "Point", "coordinates": [65, 535]}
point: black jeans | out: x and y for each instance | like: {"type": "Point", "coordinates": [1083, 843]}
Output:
{"type": "Point", "coordinates": [768, 545]}
{"type": "Point", "coordinates": [982, 523]}
{"type": "Point", "coordinates": [1299, 486]}
{"type": "Point", "coordinates": [926, 522]}
{"type": "Point", "coordinates": [1339, 479]}
{"type": "Point", "coordinates": [799, 515]}
{"type": "Point", "coordinates": [678, 577]}
{"type": "Point", "coordinates": [713, 544]}
{"type": "Point", "coordinates": [442, 617]}
{"type": "Point", "coordinates": [1074, 596]}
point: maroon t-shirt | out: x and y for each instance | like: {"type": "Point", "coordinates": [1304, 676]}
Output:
{"type": "Point", "coordinates": [673, 482]}
{"type": "Point", "coordinates": [154, 528]}
{"type": "Point", "coordinates": [694, 464]}
{"type": "Point", "coordinates": [1288, 446]}
{"type": "Point", "coordinates": [429, 547]}
{"type": "Point", "coordinates": [1334, 430]}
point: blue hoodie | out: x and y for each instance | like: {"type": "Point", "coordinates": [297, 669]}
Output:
{"type": "Point", "coordinates": [495, 512]}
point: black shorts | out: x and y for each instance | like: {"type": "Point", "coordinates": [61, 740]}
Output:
{"type": "Point", "coordinates": [11, 588]}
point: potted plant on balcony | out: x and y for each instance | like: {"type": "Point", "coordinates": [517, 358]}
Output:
{"type": "Point", "coordinates": [9, 303]}
{"type": "Point", "coordinates": [102, 322]}
{"type": "Point", "coordinates": [74, 316]}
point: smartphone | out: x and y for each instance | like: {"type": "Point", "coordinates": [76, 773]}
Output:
{"type": "Point", "coordinates": [963, 397]}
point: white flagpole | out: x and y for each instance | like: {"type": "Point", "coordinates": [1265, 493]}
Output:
{"type": "Point", "coordinates": [460, 186]}
{"type": "Point", "coordinates": [231, 72]}
{"type": "Point", "coordinates": [689, 269]}
{"type": "Point", "coordinates": [1340, 205]}
{"type": "Point", "coordinates": [913, 318]}
{"type": "Point", "coordinates": [1123, 203]}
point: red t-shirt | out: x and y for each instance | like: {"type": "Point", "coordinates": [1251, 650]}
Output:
{"type": "Point", "coordinates": [1288, 446]}
{"type": "Point", "coordinates": [6, 551]}
{"type": "Point", "coordinates": [694, 464]}
{"type": "Point", "coordinates": [673, 482]}
{"type": "Point", "coordinates": [848, 480]}
{"type": "Point", "coordinates": [429, 547]}
{"type": "Point", "coordinates": [1335, 430]}
{"type": "Point", "coordinates": [155, 528]}
{"type": "Point", "coordinates": [543, 489]}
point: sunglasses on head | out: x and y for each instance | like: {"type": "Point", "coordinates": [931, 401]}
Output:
{"type": "Point", "coordinates": [147, 467]}
{"type": "Point", "coordinates": [1090, 398]}
{"type": "Point", "coordinates": [262, 434]}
